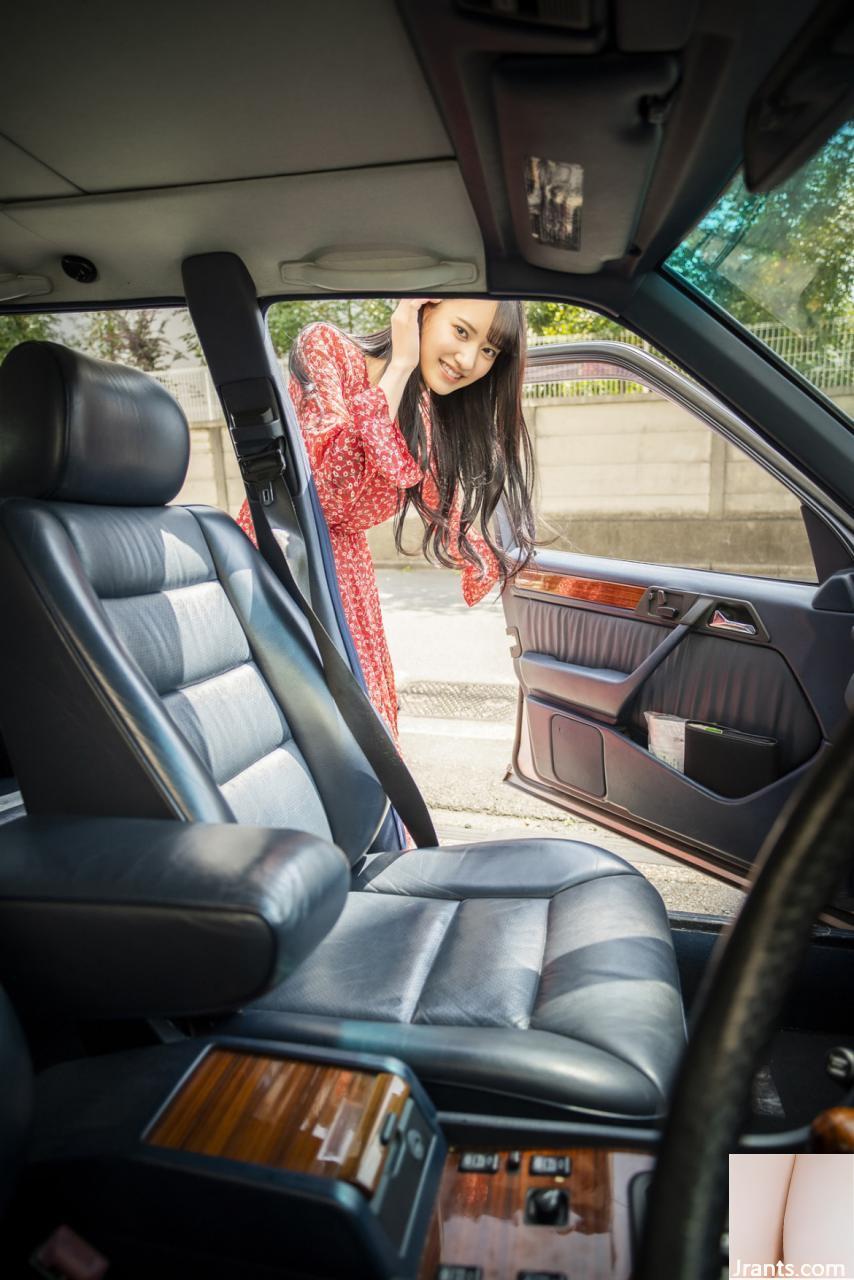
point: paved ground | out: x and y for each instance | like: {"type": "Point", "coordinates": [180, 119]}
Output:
{"type": "Point", "coordinates": [458, 696]}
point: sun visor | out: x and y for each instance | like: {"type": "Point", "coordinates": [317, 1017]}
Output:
{"type": "Point", "coordinates": [579, 139]}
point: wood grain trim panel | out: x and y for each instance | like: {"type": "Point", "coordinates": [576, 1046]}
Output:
{"type": "Point", "coordinates": [621, 595]}
{"type": "Point", "coordinates": [306, 1117]}
{"type": "Point", "coordinates": [480, 1219]}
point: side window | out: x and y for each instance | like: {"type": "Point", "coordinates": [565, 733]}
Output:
{"type": "Point", "coordinates": [626, 473]}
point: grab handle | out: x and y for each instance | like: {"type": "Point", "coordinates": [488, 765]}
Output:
{"type": "Point", "coordinates": [376, 269]}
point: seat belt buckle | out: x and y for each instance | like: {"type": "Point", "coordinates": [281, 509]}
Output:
{"type": "Point", "coordinates": [263, 467]}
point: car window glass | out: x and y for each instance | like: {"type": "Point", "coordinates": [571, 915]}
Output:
{"type": "Point", "coordinates": [782, 264]}
{"type": "Point", "coordinates": [626, 473]}
{"type": "Point", "coordinates": [621, 472]}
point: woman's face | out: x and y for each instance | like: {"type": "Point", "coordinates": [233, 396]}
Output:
{"type": "Point", "coordinates": [454, 349]}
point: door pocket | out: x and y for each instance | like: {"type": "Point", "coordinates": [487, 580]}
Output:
{"type": "Point", "coordinates": [729, 762]}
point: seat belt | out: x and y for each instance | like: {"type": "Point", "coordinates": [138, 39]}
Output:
{"type": "Point", "coordinates": [258, 439]}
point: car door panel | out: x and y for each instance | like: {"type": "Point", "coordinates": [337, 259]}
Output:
{"type": "Point", "coordinates": [659, 805]}
{"type": "Point", "coordinates": [728, 682]}
{"type": "Point", "coordinates": [773, 683]}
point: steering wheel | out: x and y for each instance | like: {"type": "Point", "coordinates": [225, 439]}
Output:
{"type": "Point", "coordinates": [752, 970]}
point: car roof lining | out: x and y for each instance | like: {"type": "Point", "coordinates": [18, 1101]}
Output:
{"type": "Point", "coordinates": [265, 221]}
{"type": "Point", "coordinates": [173, 95]}
{"type": "Point", "coordinates": [120, 147]}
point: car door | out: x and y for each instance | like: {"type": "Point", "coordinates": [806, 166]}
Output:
{"type": "Point", "coordinates": [670, 688]}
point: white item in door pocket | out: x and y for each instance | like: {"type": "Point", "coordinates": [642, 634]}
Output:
{"type": "Point", "coordinates": [667, 738]}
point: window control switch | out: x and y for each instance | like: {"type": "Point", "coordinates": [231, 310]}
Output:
{"type": "Point", "coordinates": [479, 1162]}
{"type": "Point", "coordinates": [550, 1166]}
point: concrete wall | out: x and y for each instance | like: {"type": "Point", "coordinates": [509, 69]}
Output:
{"type": "Point", "coordinates": [634, 477]}
{"type": "Point", "coordinates": [639, 478]}
{"type": "Point", "coordinates": [213, 477]}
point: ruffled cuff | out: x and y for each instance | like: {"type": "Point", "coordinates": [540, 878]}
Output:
{"type": "Point", "coordinates": [383, 441]}
{"type": "Point", "coordinates": [476, 582]}
{"type": "Point", "coordinates": [244, 519]}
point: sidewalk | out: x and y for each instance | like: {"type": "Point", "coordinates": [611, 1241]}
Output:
{"type": "Point", "coordinates": [457, 692]}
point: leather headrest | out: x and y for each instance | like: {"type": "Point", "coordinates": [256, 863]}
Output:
{"type": "Point", "coordinates": [77, 429]}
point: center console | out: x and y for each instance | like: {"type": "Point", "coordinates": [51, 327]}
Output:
{"type": "Point", "coordinates": [233, 1158]}
{"type": "Point", "coordinates": [239, 1158]}
{"type": "Point", "coordinates": [535, 1214]}
{"type": "Point", "coordinates": [359, 1143]}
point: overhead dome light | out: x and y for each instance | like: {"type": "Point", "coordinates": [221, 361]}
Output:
{"type": "Point", "coordinates": [82, 270]}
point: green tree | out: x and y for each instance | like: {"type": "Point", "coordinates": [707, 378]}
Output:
{"type": "Point", "coordinates": [129, 337]}
{"type": "Point", "coordinates": [367, 315]}
{"type": "Point", "coordinates": [15, 329]}
{"type": "Point", "coordinates": [353, 315]}
{"type": "Point", "coordinates": [785, 256]}
{"type": "Point", "coordinates": [550, 319]}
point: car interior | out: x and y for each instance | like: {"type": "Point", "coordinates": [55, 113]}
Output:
{"type": "Point", "coordinates": [245, 1030]}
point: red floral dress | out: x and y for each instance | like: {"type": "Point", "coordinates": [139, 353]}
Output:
{"type": "Point", "coordinates": [361, 466]}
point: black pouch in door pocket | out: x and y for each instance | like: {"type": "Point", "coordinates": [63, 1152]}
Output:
{"type": "Point", "coordinates": [729, 762]}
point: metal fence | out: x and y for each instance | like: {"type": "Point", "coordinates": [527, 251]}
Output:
{"type": "Point", "coordinates": [826, 358]}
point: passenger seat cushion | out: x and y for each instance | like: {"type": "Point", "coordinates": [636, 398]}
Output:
{"type": "Point", "coordinates": [560, 943]}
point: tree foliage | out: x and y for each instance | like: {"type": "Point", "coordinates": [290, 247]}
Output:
{"type": "Point", "coordinates": [551, 319]}
{"type": "Point", "coordinates": [15, 329]}
{"type": "Point", "coordinates": [786, 256]}
{"type": "Point", "coordinates": [353, 315]}
{"type": "Point", "coordinates": [129, 337]}
{"type": "Point", "coordinates": [367, 315]}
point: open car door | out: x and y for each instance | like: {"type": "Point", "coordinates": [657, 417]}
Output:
{"type": "Point", "coordinates": [678, 705]}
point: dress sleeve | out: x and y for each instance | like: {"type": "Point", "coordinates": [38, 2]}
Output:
{"type": "Point", "coordinates": [350, 438]}
{"type": "Point", "coordinates": [476, 581]}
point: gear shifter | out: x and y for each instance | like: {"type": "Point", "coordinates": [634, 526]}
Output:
{"type": "Point", "coordinates": [547, 1206]}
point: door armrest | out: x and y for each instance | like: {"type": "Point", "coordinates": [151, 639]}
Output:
{"type": "Point", "coordinates": [603, 694]}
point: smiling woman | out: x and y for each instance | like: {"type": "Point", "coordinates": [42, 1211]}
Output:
{"type": "Point", "coordinates": [424, 414]}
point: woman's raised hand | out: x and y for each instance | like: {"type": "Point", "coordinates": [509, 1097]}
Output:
{"type": "Point", "coordinates": [405, 333]}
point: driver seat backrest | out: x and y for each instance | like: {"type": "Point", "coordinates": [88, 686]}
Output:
{"type": "Point", "coordinates": [135, 678]}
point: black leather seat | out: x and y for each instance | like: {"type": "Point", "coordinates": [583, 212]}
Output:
{"type": "Point", "coordinates": [157, 668]}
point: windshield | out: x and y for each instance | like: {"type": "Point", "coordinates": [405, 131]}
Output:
{"type": "Point", "coordinates": [782, 264]}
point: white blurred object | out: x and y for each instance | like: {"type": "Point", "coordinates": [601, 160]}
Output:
{"type": "Point", "coordinates": [667, 738]}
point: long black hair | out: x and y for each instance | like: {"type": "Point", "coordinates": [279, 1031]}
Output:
{"type": "Point", "coordinates": [480, 450]}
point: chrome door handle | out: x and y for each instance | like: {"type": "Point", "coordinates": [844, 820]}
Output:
{"type": "Point", "coordinates": [720, 622]}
